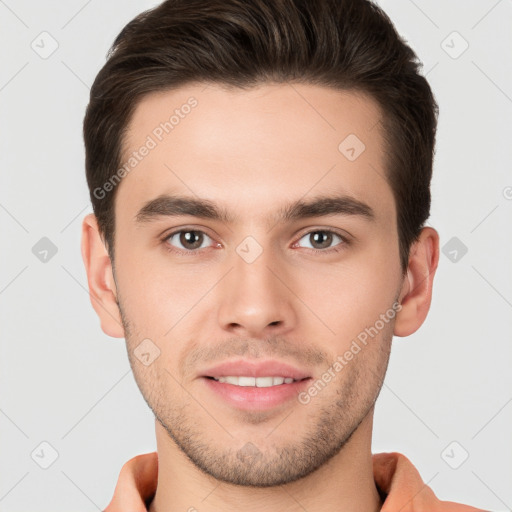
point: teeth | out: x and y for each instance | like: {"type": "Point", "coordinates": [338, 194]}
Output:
{"type": "Point", "coordinates": [260, 382]}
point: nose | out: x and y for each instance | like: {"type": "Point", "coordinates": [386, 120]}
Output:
{"type": "Point", "coordinates": [255, 298]}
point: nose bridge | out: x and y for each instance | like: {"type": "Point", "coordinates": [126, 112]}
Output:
{"type": "Point", "coordinates": [253, 299]}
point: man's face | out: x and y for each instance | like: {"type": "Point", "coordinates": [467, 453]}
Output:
{"type": "Point", "coordinates": [259, 286]}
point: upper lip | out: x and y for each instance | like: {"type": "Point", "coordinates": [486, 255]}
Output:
{"type": "Point", "coordinates": [247, 368]}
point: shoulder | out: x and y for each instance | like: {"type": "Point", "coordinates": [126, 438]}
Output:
{"type": "Point", "coordinates": [400, 482]}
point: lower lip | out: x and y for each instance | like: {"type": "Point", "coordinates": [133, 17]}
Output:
{"type": "Point", "coordinates": [253, 398]}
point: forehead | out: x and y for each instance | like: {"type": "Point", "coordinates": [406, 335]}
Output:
{"type": "Point", "coordinates": [254, 148]}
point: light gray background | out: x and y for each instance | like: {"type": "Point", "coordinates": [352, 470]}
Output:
{"type": "Point", "coordinates": [66, 383]}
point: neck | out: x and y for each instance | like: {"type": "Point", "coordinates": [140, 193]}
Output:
{"type": "Point", "coordinates": [345, 483]}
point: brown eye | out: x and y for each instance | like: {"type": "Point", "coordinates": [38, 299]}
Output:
{"type": "Point", "coordinates": [321, 239]}
{"type": "Point", "coordinates": [188, 239]}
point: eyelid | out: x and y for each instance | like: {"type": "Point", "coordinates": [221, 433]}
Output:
{"type": "Point", "coordinates": [340, 232]}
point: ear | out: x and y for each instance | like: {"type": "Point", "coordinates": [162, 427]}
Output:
{"type": "Point", "coordinates": [100, 277]}
{"type": "Point", "coordinates": [416, 293]}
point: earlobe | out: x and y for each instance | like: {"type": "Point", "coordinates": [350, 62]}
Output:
{"type": "Point", "coordinates": [416, 293]}
{"type": "Point", "coordinates": [100, 278]}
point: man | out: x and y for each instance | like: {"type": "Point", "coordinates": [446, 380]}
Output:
{"type": "Point", "coordinates": [259, 172]}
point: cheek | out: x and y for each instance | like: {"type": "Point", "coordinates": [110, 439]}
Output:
{"type": "Point", "coordinates": [349, 298]}
{"type": "Point", "coordinates": [156, 296]}
{"type": "Point", "coordinates": [162, 304]}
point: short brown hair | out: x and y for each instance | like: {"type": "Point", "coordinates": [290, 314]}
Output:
{"type": "Point", "coordinates": [342, 44]}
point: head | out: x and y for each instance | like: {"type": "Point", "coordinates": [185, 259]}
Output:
{"type": "Point", "coordinates": [260, 178]}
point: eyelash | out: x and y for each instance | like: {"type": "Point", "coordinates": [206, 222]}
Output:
{"type": "Point", "coordinates": [184, 252]}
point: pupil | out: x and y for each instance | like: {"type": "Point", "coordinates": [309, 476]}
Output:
{"type": "Point", "coordinates": [319, 235]}
{"type": "Point", "coordinates": [192, 238]}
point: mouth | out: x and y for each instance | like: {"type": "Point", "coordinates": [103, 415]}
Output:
{"type": "Point", "coordinates": [254, 385]}
{"type": "Point", "coordinates": [242, 372]}
{"type": "Point", "coordinates": [259, 382]}
{"type": "Point", "coordinates": [255, 394]}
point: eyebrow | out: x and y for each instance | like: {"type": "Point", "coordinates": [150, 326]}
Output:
{"type": "Point", "coordinates": [174, 205]}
